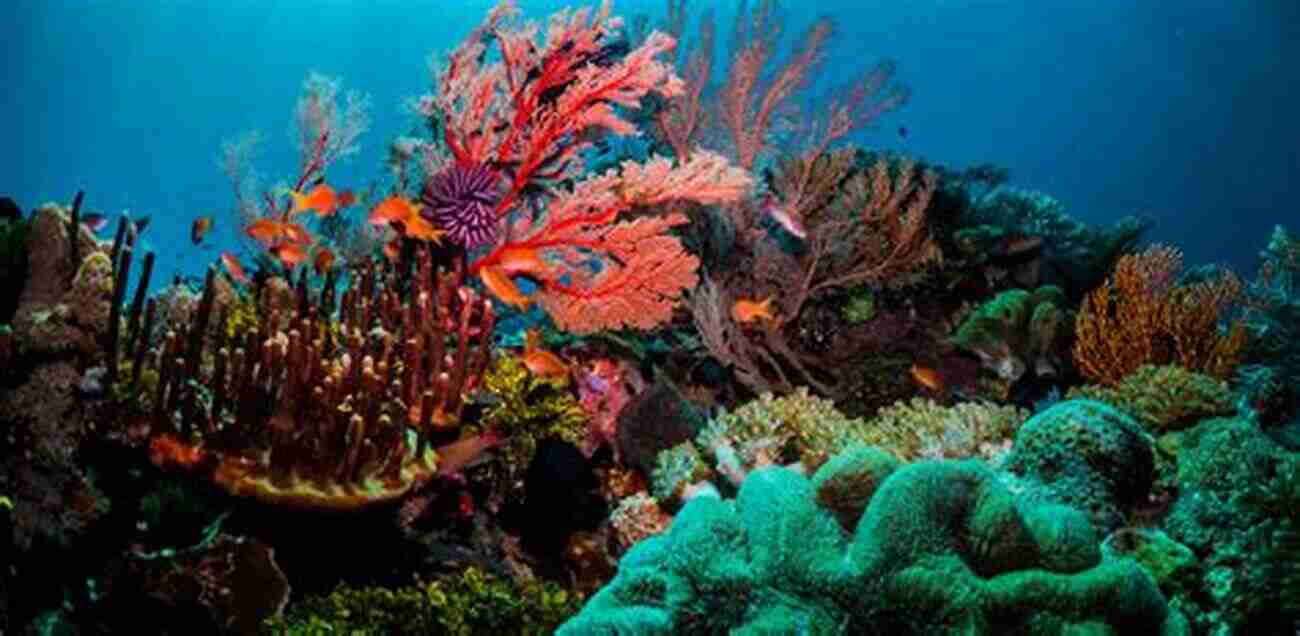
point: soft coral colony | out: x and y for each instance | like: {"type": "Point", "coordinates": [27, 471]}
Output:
{"type": "Point", "coordinates": [791, 395]}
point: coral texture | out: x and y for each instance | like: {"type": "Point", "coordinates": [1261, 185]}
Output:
{"type": "Point", "coordinates": [940, 547]}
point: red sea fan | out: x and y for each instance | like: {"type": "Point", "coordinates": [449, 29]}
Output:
{"type": "Point", "coordinates": [525, 118]}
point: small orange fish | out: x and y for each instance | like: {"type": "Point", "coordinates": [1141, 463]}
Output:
{"type": "Point", "coordinates": [394, 208]}
{"type": "Point", "coordinates": [521, 260]}
{"type": "Point", "coordinates": [323, 199]}
{"type": "Point", "coordinates": [289, 254]}
{"type": "Point", "coordinates": [165, 451]}
{"type": "Point", "coordinates": [199, 228]}
{"type": "Point", "coordinates": [927, 377]}
{"type": "Point", "coordinates": [417, 227]}
{"type": "Point", "coordinates": [265, 230]}
{"type": "Point", "coordinates": [501, 286]}
{"type": "Point", "coordinates": [747, 310]}
{"type": "Point", "coordinates": [324, 261]}
{"type": "Point", "coordinates": [541, 362]}
{"type": "Point", "coordinates": [231, 262]}
{"type": "Point", "coordinates": [297, 233]}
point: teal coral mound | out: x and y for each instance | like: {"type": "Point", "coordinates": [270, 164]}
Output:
{"type": "Point", "coordinates": [942, 547]}
{"type": "Point", "coordinates": [1085, 454]}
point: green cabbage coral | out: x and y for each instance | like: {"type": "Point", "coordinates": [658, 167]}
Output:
{"type": "Point", "coordinates": [1018, 331]}
{"type": "Point", "coordinates": [1165, 398]}
{"type": "Point", "coordinates": [525, 408]}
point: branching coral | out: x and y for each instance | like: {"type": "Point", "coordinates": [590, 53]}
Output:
{"type": "Point", "coordinates": [522, 119]}
{"type": "Point", "coordinates": [799, 428]}
{"type": "Point", "coordinates": [872, 230]}
{"type": "Point", "coordinates": [1142, 315]}
{"type": "Point", "coordinates": [1019, 331]}
{"type": "Point", "coordinates": [924, 429]}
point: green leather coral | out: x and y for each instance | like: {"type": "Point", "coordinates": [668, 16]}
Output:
{"type": "Point", "coordinates": [1017, 332]}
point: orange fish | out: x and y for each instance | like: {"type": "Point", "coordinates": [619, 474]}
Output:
{"type": "Point", "coordinates": [417, 227]}
{"type": "Point", "coordinates": [289, 254]}
{"type": "Point", "coordinates": [265, 230]}
{"type": "Point", "coordinates": [296, 233]}
{"type": "Point", "coordinates": [501, 286]}
{"type": "Point", "coordinates": [199, 228]}
{"type": "Point", "coordinates": [927, 377]}
{"type": "Point", "coordinates": [746, 310]}
{"type": "Point", "coordinates": [394, 208]}
{"type": "Point", "coordinates": [165, 450]}
{"type": "Point", "coordinates": [521, 260]}
{"type": "Point", "coordinates": [324, 261]}
{"type": "Point", "coordinates": [541, 362]}
{"type": "Point", "coordinates": [236, 270]}
{"type": "Point", "coordinates": [323, 199]}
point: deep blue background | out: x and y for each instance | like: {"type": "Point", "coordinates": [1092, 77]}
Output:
{"type": "Point", "coordinates": [1184, 111]}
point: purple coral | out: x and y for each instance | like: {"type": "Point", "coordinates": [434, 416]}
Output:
{"type": "Point", "coordinates": [462, 200]}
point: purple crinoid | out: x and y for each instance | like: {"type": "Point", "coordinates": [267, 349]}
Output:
{"type": "Point", "coordinates": [462, 201]}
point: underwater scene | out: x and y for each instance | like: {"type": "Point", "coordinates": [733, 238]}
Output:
{"type": "Point", "coordinates": [650, 317]}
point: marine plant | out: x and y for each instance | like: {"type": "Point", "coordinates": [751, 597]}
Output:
{"type": "Point", "coordinates": [1144, 315]}
{"type": "Point", "coordinates": [526, 408]}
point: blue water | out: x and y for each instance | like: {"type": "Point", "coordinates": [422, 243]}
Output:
{"type": "Point", "coordinates": [1181, 111]}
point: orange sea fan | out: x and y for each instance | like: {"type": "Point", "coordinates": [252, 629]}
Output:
{"type": "Point", "coordinates": [1141, 316]}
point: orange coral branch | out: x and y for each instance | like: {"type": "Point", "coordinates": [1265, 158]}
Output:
{"type": "Point", "coordinates": [1140, 316]}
